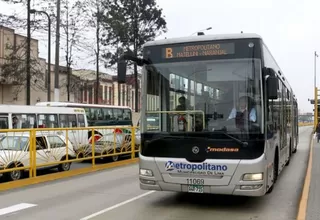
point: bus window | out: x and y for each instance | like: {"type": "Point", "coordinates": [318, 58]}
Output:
{"type": "Point", "coordinates": [118, 114]}
{"type": "Point", "coordinates": [4, 123]}
{"type": "Point", "coordinates": [81, 122]}
{"type": "Point", "coordinates": [47, 121]}
{"type": "Point", "coordinates": [127, 114]}
{"type": "Point", "coordinates": [20, 121]}
{"type": "Point", "coordinates": [72, 119]}
{"type": "Point", "coordinates": [107, 112]}
{"type": "Point", "coordinates": [68, 120]}
{"type": "Point", "coordinates": [63, 121]}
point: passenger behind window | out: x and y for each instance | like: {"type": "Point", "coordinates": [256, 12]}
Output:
{"type": "Point", "coordinates": [245, 110]}
{"type": "Point", "coordinates": [15, 122]}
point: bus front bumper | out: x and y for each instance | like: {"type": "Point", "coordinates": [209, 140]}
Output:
{"type": "Point", "coordinates": [257, 188]}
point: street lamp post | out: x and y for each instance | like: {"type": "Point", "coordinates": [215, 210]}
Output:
{"type": "Point", "coordinates": [206, 29]}
{"type": "Point", "coordinates": [33, 11]}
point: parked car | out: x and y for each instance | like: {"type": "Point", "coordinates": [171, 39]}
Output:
{"type": "Point", "coordinates": [14, 152]}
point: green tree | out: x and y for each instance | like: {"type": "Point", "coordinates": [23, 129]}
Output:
{"type": "Point", "coordinates": [127, 25]}
{"type": "Point", "coordinates": [13, 68]}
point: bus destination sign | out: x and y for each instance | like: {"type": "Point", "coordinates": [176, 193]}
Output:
{"type": "Point", "coordinates": [199, 50]}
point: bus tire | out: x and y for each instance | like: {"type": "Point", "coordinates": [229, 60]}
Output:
{"type": "Point", "coordinates": [275, 171]}
{"type": "Point", "coordinates": [295, 149]}
{"type": "Point", "coordinates": [290, 154]}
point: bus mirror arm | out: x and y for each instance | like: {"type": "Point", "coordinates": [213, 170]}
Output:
{"type": "Point", "coordinates": [122, 65]}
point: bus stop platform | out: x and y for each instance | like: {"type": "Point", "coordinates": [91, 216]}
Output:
{"type": "Point", "coordinates": [312, 183]}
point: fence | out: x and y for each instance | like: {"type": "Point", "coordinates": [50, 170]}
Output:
{"type": "Point", "coordinates": [306, 124]}
{"type": "Point", "coordinates": [35, 149]}
{"type": "Point", "coordinates": [64, 148]}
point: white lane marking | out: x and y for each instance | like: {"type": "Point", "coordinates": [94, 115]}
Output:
{"type": "Point", "coordinates": [117, 205]}
{"type": "Point", "coordinates": [15, 208]}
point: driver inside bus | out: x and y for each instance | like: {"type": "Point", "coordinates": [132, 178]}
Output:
{"type": "Point", "coordinates": [183, 104]}
{"type": "Point", "coordinates": [244, 110]}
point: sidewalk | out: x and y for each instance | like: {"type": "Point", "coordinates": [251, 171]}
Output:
{"type": "Point", "coordinates": [313, 205]}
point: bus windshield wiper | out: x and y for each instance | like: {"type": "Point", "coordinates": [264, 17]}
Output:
{"type": "Point", "coordinates": [244, 143]}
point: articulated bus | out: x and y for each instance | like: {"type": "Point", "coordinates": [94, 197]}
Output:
{"type": "Point", "coordinates": [227, 115]}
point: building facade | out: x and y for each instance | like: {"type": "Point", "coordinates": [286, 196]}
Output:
{"type": "Point", "coordinates": [82, 82]}
{"type": "Point", "coordinates": [13, 71]}
{"type": "Point", "coordinates": [109, 93]}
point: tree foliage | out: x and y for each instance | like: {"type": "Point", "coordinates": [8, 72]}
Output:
{"type": "Point", "coordinates": [13, 68]}
{"type": "Point", "coordinates": [128, 24]}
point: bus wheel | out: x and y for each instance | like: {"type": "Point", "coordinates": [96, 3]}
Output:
{"type": "Point", "coordinates": [290, 154]}
{"type": "Point", "coordinates": [275, 172]}
{"type": "Point", "coordinates": [295, 150]}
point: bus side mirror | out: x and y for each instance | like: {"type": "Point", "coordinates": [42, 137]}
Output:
{"type": "Point", "coordinates": [122, 71]}
{"type": "Point", "coordinates": [272, 87]}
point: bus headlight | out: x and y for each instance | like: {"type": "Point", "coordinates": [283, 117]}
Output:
{"type": "Point", "coordinates": [145, 172]}
{"type": "Point", "coordinates": [252, 176]}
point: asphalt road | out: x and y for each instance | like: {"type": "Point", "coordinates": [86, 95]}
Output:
{"type": "Point", "coordinates": [116, 195]}
{"type": "Point", "coordinates": [74, 165]}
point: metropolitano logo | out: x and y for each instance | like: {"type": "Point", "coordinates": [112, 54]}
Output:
{"type": "Point", "coordinates": [170, 166]}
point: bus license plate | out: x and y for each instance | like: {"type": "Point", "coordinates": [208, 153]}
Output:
{"type": "Point", "coordinates": [195, 189]}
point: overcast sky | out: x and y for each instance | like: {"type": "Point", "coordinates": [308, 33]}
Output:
{"type": "Point", "coordinates": [290, 28]}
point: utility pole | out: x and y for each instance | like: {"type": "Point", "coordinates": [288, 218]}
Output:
{"type": "Point", "coordinates": [28, 53]}
{"type": "Point", "coordinates": [67, 54]}
{"type": "Point", "coordinates": [33, 11]}
{"type": "Point", "coordinates": [135, 51]}
{"type": "Point", "coordinates": [97, 53]}
{"type": "Point", "coordinates": [56, 69]}
{"type": "Point", "coordinates": [49, 60]}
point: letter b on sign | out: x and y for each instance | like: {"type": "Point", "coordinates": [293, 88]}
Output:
{"type": "Point", "coordinates": [169, 52]}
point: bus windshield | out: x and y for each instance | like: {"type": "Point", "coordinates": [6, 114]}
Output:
{"type": "Point", "coordinates": [210, 95]}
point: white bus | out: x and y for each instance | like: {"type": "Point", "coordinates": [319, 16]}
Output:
{"type": "Point", "coordinates": [26, 117]}
{"type": "Point", "coordinates": [226, 114]}
{"type": "Point", "coordinates": [99, 115]}
{"type": "Point", "coordinates": [104, 116]}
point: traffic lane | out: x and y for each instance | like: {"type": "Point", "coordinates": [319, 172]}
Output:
{"type": "Point", "coordinates": [281, 204]}
{"type": "Point", "coordinates": [74, 166]}
{"type": "Point", "coordinates": [74, 197]}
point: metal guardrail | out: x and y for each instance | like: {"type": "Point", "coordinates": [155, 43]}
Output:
{"type": "Point", "coordinates": [33, 149]}
{"type": "Point", "coordinates": [305, 124]}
